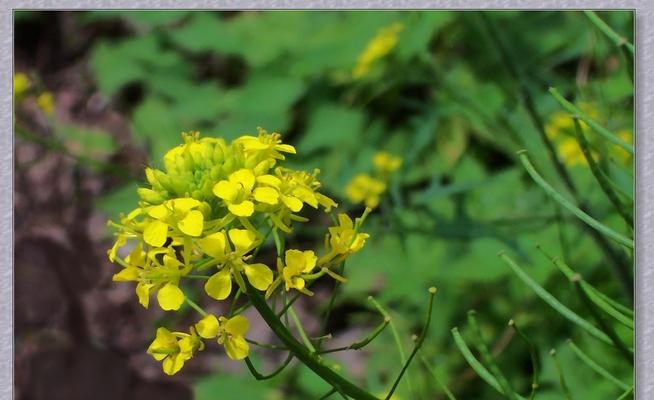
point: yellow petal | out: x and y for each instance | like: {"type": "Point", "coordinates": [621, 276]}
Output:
{"type": "Point", "coordinates": [192, 224]}
{"type": "Point", "coordinates": [158, 212]}
{"type": "Point", "coordinates": [306, 196]}
{"type": "Point", "coordinates": [172, 364]}
{"type": "Point", "coordinates": [259, 275]}
{"type": "Point", "coordinates": [170, 297]}
{"type": "Point", "coordinates": [219, 286]}
{"type": "Point", "coordinates": [127, 274]}
{"type": "Point", "coordinates": [294, 260]}
{"type": "Point", "coordinates": [244, 177]}
{"type": "Point", "coordinates": [214, 245]}
{"type": "Point", "coordinates": [237, 326]}
{"type": "Point", "coordinates": [155, 233]}
{"type": "Point", "coordinates": [292, 203]}
{"type": "Point", "coordinates": [183, 205]}
{"type": "Point", "coordinates": [243, 239]}
{"type": "Point", "coordinates": [270, 180]}
{"type": "Point", "coordinates": [266, 195]}
{"type": "Point", "coordinates": [243, 209]}
{"type": "Point", "coordinates": [237, 348]}
{"type": "Point", "coordinates": [120, 242]}
{"type": "Point", "coordinates": [208, 327]}
{"type": "Point", "coordinates": [143, 293]}
{"type": "Point", "coordinates": [226, 190]}
{"type": "Point", "coordinates": [286, 148]}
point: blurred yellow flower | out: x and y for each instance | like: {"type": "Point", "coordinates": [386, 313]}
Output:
{"type": "Point", "coordinates": [377, 48]}
{"type": "Point", "coordinates": [173, 349]}
{"type": "Point", "coordinates": [366, 189]}
{"type": "Point", "coordinates": [21, 84]}
{"type": "Point", "coordinates": [386, 163]}
{"type": "Point", "coordinates": [45, 101]}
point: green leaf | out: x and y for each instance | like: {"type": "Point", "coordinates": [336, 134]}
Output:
{"type": "Point", "coordinates": [331, 127]}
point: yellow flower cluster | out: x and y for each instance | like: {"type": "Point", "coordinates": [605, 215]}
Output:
{"type": "Point", "coordinates": [377, 48]}
{"type": "Point", "coordinates": [367, 189]}
{"type": "Point", "coordinates": [23, 85]}
{"type": "Point", "coordinates": [201, 218]}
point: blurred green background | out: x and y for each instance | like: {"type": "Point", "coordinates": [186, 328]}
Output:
{"type": "Point", "coordinates": [454, 94]}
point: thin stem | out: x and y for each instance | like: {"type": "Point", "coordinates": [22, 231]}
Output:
{"type": "Point", "coordinates": [608, 329]}
{"type": "Point", "coordinates": [396, 337]}
{"type": "Point", "coordinates": [330, 306]}
{"type": "Point", "coordinates": [619, 41]}
{"type": "Point", "coordinates": [300, 328]}
{"type": "Point", "coordinates": [234, 300]}
{"type": "Point", "coordinates": [266, 345]}
{"type": "Point", "coordinates": [553, 302]}
{"type": "Point", "coordinates": [532, 354]}
{"type": "Point", "coordinates": [557, 364]}
{"type": "Point", "coordinates": [626, 394]}
{"type": "Point", "coordinates": [600, 177]}
{"type": "Point", "coordinates": [418, 344]}
{"type": "Point", "coordinates": [488, 358]}
{"type": "Point", "coordinates": [362, 343]}
{"type": "Point", "coordinates": [571, 207]}
{"type": "Point", "coordinates": [311, 360]}
{"type": "Point", "coordinates": [328, 394]}
{"type": "Point", "coordinates": [603, 132]}
{"type": "Point", "coordinates": [195, 307]}
{"type": "Point", "coordinates": [260, 377]}
{"type": "Point", "coordinates": [440, 383]}
{"type": "Point", "coordinates": [596, 367]}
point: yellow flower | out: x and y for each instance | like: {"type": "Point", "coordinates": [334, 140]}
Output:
{"type": "Point", "coordinates": [366, 189]}
{"type": "Point", "coordinates": [297, 263]}
{"type": "Point", "coordinates": [45, 101]}
{"type": "Point", "coordinates": [173, 349]}
{"type": "Point", "coordinates": [159, 270]}
{"type": "Point", "coordinates": [344, 239]}
{"type": "Point", "coordinates": [174, 217]}
{"type": "Point", "coordinates": [232, 263]}
{"type": "Point", "coordinates": [236, 191]}
{"type": "Point", "coordinates": [377, 48]}
{"type": "Point", "coordinates": [386, 163]}
{"type": "Point", "coordinates": [571, 153]}
{"type": "Point", "coordinates": [265, 144]}
{"type": "Point", "coordinates": [229, 331]}
{"type": "Point", "coordinates": [21, 84]}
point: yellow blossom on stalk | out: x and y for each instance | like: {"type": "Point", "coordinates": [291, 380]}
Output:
{"type": "Point", "coordinates": [21, 84]}
{"type": "Point", "coordinates": [160, 271]}
{"type": "Point", "coordinates": [363, 188]}
{"type": "Point", "coordinates": [229, 331]}
{"type": "Point", "coordinates": [377, 48]}
{"type": "Point", "coordinates": [561, 130]}
{"type": "Point", "coordinates": [173, 349]}
{"type": "Point", "coordinates": [45, 101]}
{"type": "Point", "coordinates": [626, 136]}
{"type": "Point", "coordinates": [232, 263]}
{"type": "Point", "coordinates": [386, 163]}
{"type": "Point", "coordinates": [344, 239]}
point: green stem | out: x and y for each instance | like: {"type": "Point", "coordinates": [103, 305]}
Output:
{"type": "Point", "coordinates": [600, 177]}
{"type": "Point", "coordinates": [596, 367]}
{"type": "Point", "coordinates": [300, 328]}
{"type": "Point", "coordinates": [266, 345]}
{"type": "Point", "coordinates": [488, 358]}
{"type": "Point", "coordinates": [311, 360]}
{"type": "Point", "coordinates": [418, 344]}
{"type": "Point", "coordinates": [362, 343]}
{"type": "Point", "coordinates": [605, 133]}
{"type": "Point", "coordinates": [440, 383]}
{"type": "Point", "coordinates": [260, 377]}
{"type": "Point", "coordinates": [564, 385]}
{"type": "Point", "coordinates": [619, 41]}
{"type": "Point", "coordinates": [571, 207]}
{"type": "Point", "coordinates": [532, 354]}
{"type": "Point", "coordinates": [195, 307]}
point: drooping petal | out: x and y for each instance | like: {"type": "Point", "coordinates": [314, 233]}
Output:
{"type": "Point", "coordinates": [237, 348]}
{"type": "Point", "coordinates": [126, 274]}
{"type": "Point", "coordinates": [259, 275]}
{"type": "Point", "coordinates": [120, 242]}
{"type": "Point", "coordinates": [170, 297]}
{"type": "Point", "coordinates": [242, 209]}
{"type": "Point", "coordinates": [208, 327]}
{"type": "Point", "coordinates": [286, 148]}
{"type": "Point", "coordinates": [226, 190]}
{"type": "Point", "coordinates": [306, 196]}
{"type": "Point", "coordinates": [155, 233]}
{"type": "Point", "coordinates": [219, 286]}
{"type": "Point", "coordinates": [172, 364]}
{"type": "Point", "coordinates": [237, 326]}
{"type": "Point", "coordinates": [214, 245]}
{"type": "Point", "coordinates": [294, 204]}
{"type": "Point", "coordinates": [266, 195]}
{"type": "Point", "coordinates": [244, 177]}
{"type": "Point", "coordinates": [242, 239]}
{"type": "Point", "coordinates": [192, 224]}
{"type": "Point", "coordinates": [143, 293]}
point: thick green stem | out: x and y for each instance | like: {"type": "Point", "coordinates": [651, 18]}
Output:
{"type": "Point", "coordinates": [311, 360]}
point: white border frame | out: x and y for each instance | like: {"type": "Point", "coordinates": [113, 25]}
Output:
{"type": "Point", "coordinates": [644, 42]}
